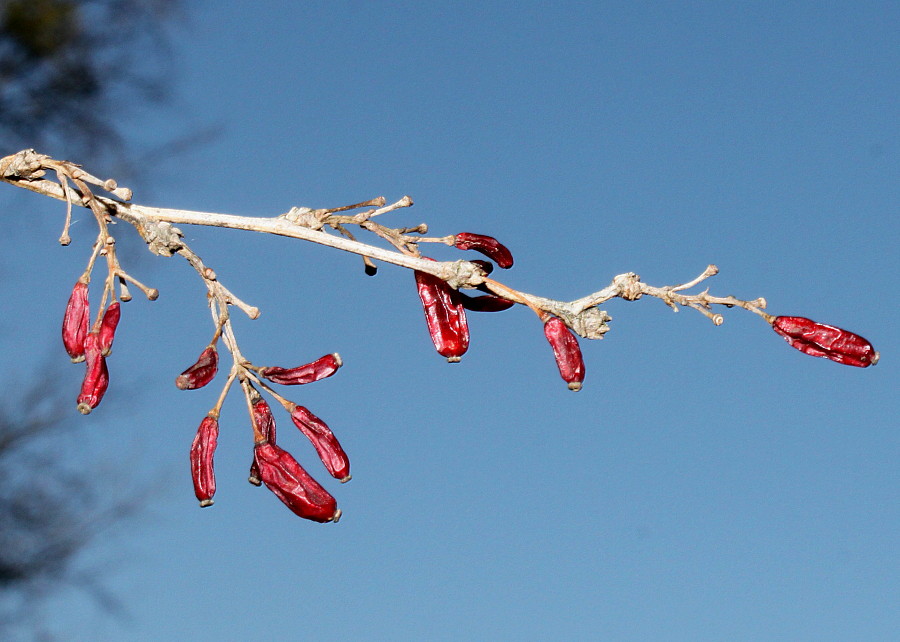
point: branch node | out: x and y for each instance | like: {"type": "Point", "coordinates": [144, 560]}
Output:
{"type": "Point", "coordinates": [629, 285]}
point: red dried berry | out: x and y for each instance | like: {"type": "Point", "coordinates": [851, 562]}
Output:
{"type": "Point", "coordinates": [444, 316]}
{"type": "Point", "coordinates": [486, 303]}
{"type": "Point", "coordinates": [324, 441]}
{"type": "Point", "coordinates": [487, 245]}
{"type": "Point", "coordinates": [108, 327]}
{"type": "Point", "coordinates": [202, 372]}
{"type": "Point", "coordinates": [202, 451]}
{"type": "Point", "coordinates": [318, 369]}
{"type": "Point", "coordinates": [566, 351]}
{"type": "Point", "coordinates": [76, 322]}
{"type": "Point", "coordinates": [287, 479]}
{"type": "Point", "coordinates": [265, 423]}
{"type": "Point", "coordinates": [265, 420]}
{"type": "Point", "coordinates": [96, 376]}
{"type": "Point", "coordinates": [821, 340]}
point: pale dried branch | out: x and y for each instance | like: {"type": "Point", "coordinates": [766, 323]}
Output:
{"type": "Point", "coordinates": [156, 226]}
{"type": "Point", "coordinates": [437, 284]}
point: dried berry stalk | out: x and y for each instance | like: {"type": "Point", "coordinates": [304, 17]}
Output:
{"type": "Point", "coordinates": [830, 342]}
{"type": "Point", "coordinates": [202, 372]}
{"type": "Point", "coordinates": [487, 245]}
{"type": "Point", "coordinates": [444, 316]}
{"type": "Point", "coordinates": [326, 444]}
{"type": "Point", "coordinates": [202, 451]}
{"type": "Point", "coordinates": [566, 351]}
{"type": "Point", "coordinates": [76, 322]}
{"type": "Point", "coordinates": [96, 376]}
{"type": "Point", "coordinates": [308, 373]}
{"type": "Point", "coordinates": [287, 479]}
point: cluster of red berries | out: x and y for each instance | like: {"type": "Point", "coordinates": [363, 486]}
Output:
{"type": "Point", "coordinates": [445, 315]}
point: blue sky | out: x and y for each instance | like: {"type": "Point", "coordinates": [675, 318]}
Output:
{"type": "Point", "coordinates": [707, 483]}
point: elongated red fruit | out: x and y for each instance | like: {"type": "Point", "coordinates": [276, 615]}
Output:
{"type": "Point", "coordinates": [265, 422]}
{"type": "Point", "coordinates": [202, 372]}
{"type": "Point", "coordinates": [487, 245]}
{"type": "Point", "coordinates": [566, 351]}
{"type": "Point", "coordinates": [202, 451]}
{"type": "Point", "coordinates": [486, 303]}
{"type": "Point", "coordinates": [76, 322]}
{"type": "Point", "coordinates": [821, 340]}
{"type": "Point", "coordinates": [444, 316]}
{"type": "Point", "coordinates": [318, 369]}
{"type": "Point", "coordinates": [108, 327]}
{"type": "Point", "coordinates": [96, 375]}
{"type": "Point", "coordinates": [281, 474]}
{"type": "Point", "coordinates": [324, 441]}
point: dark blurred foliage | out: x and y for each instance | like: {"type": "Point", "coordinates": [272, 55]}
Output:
{"type": "Point", "coordinates": [69, 69]}
{"type": "Point", "coordinates": [51, 508]}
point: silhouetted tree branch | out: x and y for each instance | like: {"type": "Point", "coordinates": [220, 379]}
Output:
{"type": "Point", "coordinates": [68, 69]}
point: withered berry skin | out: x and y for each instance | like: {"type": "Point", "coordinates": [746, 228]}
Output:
{"type": "Point", "coordinates": [96, 376]}
{"type": "Point", "coordinates": [202, 451]}
{"type": "Point", "coordinates": [287, 479]}
{"type": "Point", "coordinates": [566, 351]}
{"type": "Point", "coordinates": [76, 322]}
{"type": "Point", "coordinates": [487, 245]}
{"type": "Point", "coordinates": [308, 373]}
{"type": "Point", "coordinates": [326, 444]}
{"type": "Point", "coordinates": [108, 327]}
{"type": "Point", "coordinates": [822, 340]}
{"type": "Point", "coordinates": [444, 316]}
{"type": "Point", "coordinates": [202, 372]}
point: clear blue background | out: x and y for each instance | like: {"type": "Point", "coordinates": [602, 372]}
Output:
{"type": "Point", "coordinates": [707, 483]}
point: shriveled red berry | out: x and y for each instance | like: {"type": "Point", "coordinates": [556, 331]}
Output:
{"type": "Point", "coordinates": [444, 316]}
{"type": "Point", "coordinates": [108, 327]}
{"type": "Point", "coordinates": [76, 322]}
{"type": "Point", "coordinates": [566, 351]}
{"type": "Point", "coordinates": [486, 303]}
{"type": "Point", "coordinates": [202, 372]}
{"type": "Point", "coordinates": [326, 444]}
{"type": "Point", "coordinates": [202, 451]}
{"type": "Point", "coordinates": [308, 373]}
{"type": "Point", "coordinates": [828, 341]}
{"type": "Point", "coordinates": [288, 480]}
{"type": "Point", "coordinates": [96, 375]}
{"type": "Point", "coordinates": [487, 245]}
{"type": "Point", "coordinates": [265, 424]}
